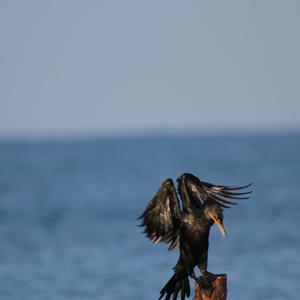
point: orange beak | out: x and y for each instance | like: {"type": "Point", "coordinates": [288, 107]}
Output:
{"type": "Point", "coordinates": [220, 225]}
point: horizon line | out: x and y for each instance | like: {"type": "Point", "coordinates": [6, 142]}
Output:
{"type": "Point", "coordinates": [147, 133]}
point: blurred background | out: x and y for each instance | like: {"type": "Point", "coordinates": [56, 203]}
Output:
{"type": "Point", "coordinates": [100, 101]}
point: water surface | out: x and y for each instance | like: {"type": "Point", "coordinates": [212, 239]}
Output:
{"type": "Point", "coordinates": [68, 209]}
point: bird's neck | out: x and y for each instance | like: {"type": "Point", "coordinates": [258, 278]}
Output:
{"type": "Point", "coordinates": [205, 221]}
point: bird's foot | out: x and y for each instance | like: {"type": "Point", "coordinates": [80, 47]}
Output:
{"type": "Point", "coordinates": [209, 276]}
{"type": "Point", "coordinates": [205, 284]}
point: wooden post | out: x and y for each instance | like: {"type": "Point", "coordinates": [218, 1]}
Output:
{"type": "Point", "coordinates": [211, 289]}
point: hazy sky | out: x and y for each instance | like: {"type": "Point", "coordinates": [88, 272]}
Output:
{"type": "Point", "coordinates": [76, 67]}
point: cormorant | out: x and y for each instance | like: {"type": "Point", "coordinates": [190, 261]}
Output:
{"type": "Point", "coordinates": [187, 225]}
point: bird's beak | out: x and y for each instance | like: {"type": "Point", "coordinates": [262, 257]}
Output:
{"type": "Point", "coordinates": [220, 225]}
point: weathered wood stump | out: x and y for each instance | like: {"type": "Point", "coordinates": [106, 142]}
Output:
{"type": "Point", "coordinates": [211, 289]}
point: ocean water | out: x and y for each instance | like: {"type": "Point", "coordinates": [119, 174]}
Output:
{"type": "Point", "coordinates": [68, 211]}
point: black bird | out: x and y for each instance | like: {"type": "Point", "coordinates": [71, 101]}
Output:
{"type": "Point", "coordinates": [187, 225]}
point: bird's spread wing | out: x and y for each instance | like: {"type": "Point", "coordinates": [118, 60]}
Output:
{"type": "Point", "coordinates": [205, 191]}
{"type": "Point", "coordinates": [162, 217]}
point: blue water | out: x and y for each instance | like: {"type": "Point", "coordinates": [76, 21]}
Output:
{"type": "Point", "coordinates": [68, 209]}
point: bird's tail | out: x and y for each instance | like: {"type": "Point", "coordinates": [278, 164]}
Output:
{"type": "Point", "coordinates": [179, 283]}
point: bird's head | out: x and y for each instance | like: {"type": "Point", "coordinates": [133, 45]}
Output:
{"type": "Point", "coordinates": [213, 212]}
